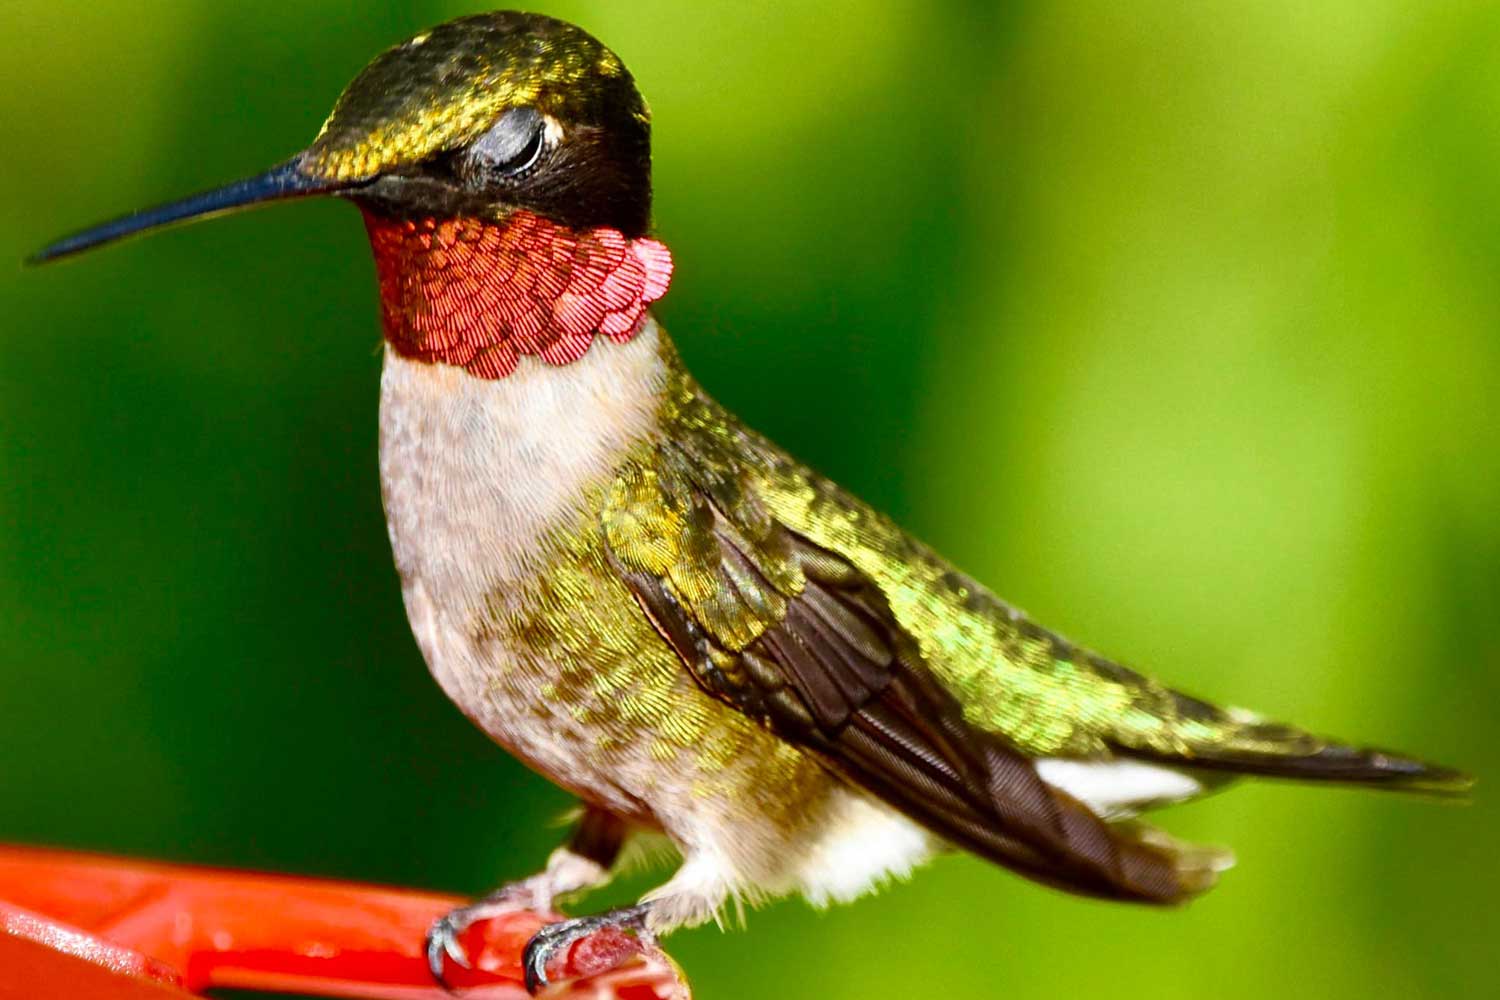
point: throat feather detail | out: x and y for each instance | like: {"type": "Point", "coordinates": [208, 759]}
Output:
{"type": "Point", "coordinates": [479, 294]}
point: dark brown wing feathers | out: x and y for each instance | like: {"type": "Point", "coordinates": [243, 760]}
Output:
{"type": "Point", "coordinates": [833, 671]}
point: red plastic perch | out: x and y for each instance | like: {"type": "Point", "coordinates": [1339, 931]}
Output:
{"type": "Point", "coordinates": [84, 927]}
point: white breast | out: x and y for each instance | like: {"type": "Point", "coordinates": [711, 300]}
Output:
{"type": "Point", "coordinates": [474, 473]}
{"type": "Point", "coordinates": [474, 470]}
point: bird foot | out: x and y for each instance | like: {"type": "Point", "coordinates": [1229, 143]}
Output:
{"type": "Point", "coordinates": [556, 940]}
{"type": "Point", "coordinates": [443, 937]}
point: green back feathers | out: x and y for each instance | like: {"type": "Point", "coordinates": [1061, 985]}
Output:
{"type": "Point", "coordinates": [1041, 694]}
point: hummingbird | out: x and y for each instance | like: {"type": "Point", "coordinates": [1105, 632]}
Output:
{"type": "Point", "coordinates": [659, 609]}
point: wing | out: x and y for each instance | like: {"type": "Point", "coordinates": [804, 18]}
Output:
{"type": "Point", "coordinates": [797, 637]}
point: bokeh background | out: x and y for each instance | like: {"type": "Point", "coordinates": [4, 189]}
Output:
{"type": "Point", "coordinates": [1176, 322]}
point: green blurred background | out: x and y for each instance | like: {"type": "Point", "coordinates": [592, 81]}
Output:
{"type": "Point", "coordinates": [1176, 322]}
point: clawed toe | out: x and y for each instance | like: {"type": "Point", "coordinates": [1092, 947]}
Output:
{"type": "Point", "coordinates": [442, 939]}
{"type": "Point", "coordinates": [443, 936]}
{"type": "Point", "coordinates": [556, 939]}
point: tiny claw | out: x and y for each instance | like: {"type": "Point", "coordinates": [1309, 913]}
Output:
{"type": "Point", "coordinates": [535, 968]}
{"type": "Point", "coordinates": [443, 936]}
{"type": "Point", "coordinates": [558, 938]}
{"type": "Point", "coordinates": [442, 939]}
{"type": "Point", "coordinates": [456, 952]}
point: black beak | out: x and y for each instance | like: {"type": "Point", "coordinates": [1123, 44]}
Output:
{"type": "Point", "coordinates": [280, 183]}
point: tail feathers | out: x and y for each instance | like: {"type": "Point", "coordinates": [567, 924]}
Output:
{"type": "Point", "coordinates": [1123, 861]}
{"type": "Point", "coordinates": [1197, 865]}
{"type": "Point", "coordinates": [1277, 751]}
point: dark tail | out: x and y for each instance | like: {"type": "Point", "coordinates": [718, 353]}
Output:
{"type": "Point", "coordinates": [1273, 750]}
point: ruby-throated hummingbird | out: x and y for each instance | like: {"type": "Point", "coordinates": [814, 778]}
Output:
{"type": "Point", "coordinates": [657, 608]}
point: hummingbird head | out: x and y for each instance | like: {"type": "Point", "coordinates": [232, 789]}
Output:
{"type": "Point", "coordinates": [502, 162]}
{"type": "Point", "coordinates": [489, 114]}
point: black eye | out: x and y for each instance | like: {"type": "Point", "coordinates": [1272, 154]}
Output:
{"type": "Point", "coordinates": [511, 146]}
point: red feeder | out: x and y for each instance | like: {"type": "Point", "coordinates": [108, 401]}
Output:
{"type": "Point", "coordinates": [82, 927]}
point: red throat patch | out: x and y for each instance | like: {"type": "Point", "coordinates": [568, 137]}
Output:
{"type": "Point", "coordinates": [479, 294]}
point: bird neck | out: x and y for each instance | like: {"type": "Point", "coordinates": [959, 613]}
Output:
{"type": "Point", "coordinates": [480, 293]}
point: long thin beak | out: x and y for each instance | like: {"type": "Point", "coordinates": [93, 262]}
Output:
{"type": "Point", "coordinates": [280, 183]}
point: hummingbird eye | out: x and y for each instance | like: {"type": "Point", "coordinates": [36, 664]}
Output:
{"type": "Point", "coordinates": [511, 147]}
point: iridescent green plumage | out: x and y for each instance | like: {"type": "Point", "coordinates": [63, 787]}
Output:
{"type": "Point", "coordinates": [1015, 678]}
{"type": "Point", "coordinates": [445, 88]}
{"type": "Point", "coordinates": [803, 608]}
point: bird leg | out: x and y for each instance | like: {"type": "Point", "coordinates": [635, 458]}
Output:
{"type": "Point", "coordinates": [583, 863]}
